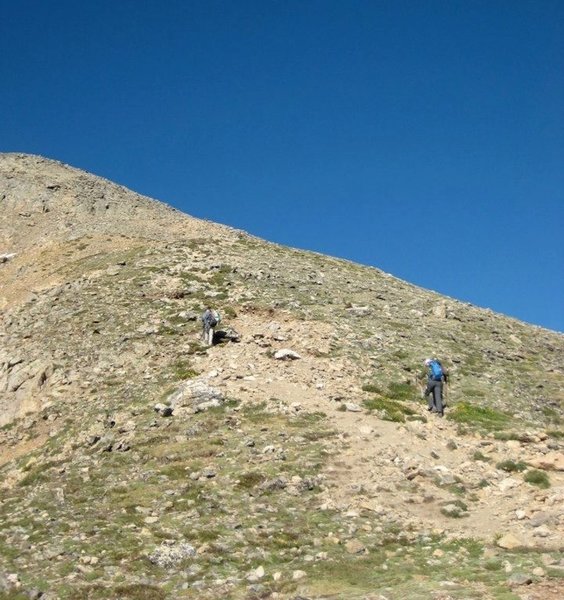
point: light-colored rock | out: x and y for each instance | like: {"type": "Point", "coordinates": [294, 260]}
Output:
{"type": "Point", "coordinates": [170, 554]}
{"type": "Point", "coordinates": [355, 547]}
{"type": "Point", "coordinates": [195, 395]}
{"type": "Point", "coordinates": [509, 483]}
{"type": "Point", "coordinates": [553, 461]}
{"type": "Point", "coordinates": [509, 542]}
{"type": "Point", "coordinates": [286, 354]}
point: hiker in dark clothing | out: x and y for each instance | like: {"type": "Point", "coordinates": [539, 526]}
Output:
{"type": "Point", "coordinates": [436, 378]}
{"type": "Point", "coordinates": [210, 319]}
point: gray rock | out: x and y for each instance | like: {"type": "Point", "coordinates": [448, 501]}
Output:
{"type": "Point", "coordinates": [163, 409]}
{"type": "Point", "coordinates": [208, 473]}
{"type": "Point", "coordinates": [228, 334]}
{"type": "Point", "coordinates": [278, 483]}
{"type": "Point", "coordinates": [195, 395]}
{"type": "Point", "coordinates": [359, 311]}
{"type": "Point", "coordinates": [518, 579]}
{"type": "Point", "coordinates": [170, 554]}
{"type": "Point", "coordinates": [189, 315]}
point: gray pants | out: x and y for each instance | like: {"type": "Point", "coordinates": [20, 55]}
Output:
{"type": "Point", "coordinates": [207, 334]}
{"type": "Point", "coordinates": [435, 391]}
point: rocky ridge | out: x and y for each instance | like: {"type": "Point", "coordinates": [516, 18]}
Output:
{"type": "Point", "coordinates": [138, 463]}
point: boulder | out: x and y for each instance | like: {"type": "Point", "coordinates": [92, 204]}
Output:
{"type": "Point", "coordinates": [195, 395]}
{"type": "Point", "coordinates": [510, 542]}
{"type": "Point", "coordinates": [553, 461]}
{"type": "Point", "coordinates": [170, 554]}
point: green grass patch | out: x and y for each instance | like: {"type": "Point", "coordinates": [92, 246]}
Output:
{"type": "Point", "coordinates": [506, 436]}
{"type": "Point", "coordinates": [538, 478]}
{"type": "Point", "coordinates": [307, 419]}
{"type": "Point", "coordinates": [182, 371]}
{"type": "Point", "coordinates": [121, 592]}
{"type": "Point", "coordinates": [373, 388]}
{"type": "Point", "coordinates": [401, 391]}
{"type": "Point", "coordinates": [34, 478]}
{"type": "Point", "coordinates": [390, 410]}
{"type": "Point", "coordinates": [552, 415]}
{"type": "Point", "coordinates": [473, 392]}
{"type": "Point", "coordinates": [250, 480]}
{"type": "Point", "coordinates": [478, 417]}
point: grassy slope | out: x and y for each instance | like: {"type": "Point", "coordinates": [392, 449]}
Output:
{"type": "Point", "coordinates": [121, 333]}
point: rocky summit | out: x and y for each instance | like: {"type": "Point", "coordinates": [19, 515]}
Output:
{"type": "Point", "coordinates": [295, 457]}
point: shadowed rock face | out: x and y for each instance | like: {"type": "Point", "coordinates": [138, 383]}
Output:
{"type": "Point", "coordinates": [302, 427]}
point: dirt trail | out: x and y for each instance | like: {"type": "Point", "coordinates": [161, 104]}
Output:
{"type": "Point", "coordinates": [389, 469]}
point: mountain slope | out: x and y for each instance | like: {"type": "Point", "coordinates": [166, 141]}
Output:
{"type": "Point", "coordinates": [324, 465]}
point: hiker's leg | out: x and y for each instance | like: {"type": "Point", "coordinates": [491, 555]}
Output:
{"type": "Point", "coordinates": [438, 397]}
{"type": "Point", "coordinates": [210, 337]}
{"type": "Point", "coordinates": [428, 395]}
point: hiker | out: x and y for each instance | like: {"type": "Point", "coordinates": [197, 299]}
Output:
{"type": "Point", "coordinates": [210, 319]}
{"type": "Point", "coordinates": [437, 376]}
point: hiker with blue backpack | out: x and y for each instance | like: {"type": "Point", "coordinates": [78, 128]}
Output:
{"type": "Point", "coordinates": [436, 378]}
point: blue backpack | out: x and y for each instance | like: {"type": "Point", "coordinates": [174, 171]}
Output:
{"type": "Point", "coordinates": [436, 370]}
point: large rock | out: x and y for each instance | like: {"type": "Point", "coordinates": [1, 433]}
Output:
{"type": "Point", "coordinates": [195, 395]}
{"type": "Point", "coordinates": [553, 461]}
{"type": "Point", "coordinates": [510, 542]}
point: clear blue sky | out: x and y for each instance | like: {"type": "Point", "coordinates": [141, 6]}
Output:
{"type": "Point", "coordinates": [423, 138]}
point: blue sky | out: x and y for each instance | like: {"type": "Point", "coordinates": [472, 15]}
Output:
{"type": "Point", "coordinates": [423, 138]}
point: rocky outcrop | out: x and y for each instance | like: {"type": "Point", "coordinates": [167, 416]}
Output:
{"type": "Point", "coordinates": [24, 384]}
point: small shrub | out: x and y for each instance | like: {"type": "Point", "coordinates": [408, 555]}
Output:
{"type": "Point", "coordinates": [479, 456]}
{"type": "Point", "coordinates": [538, 478]}
{"type": "Point", "coordinates": [510, 466]}
{"type": "Point", "coordinates": [493, 564]}
{"type": "Point", "coordinates": [506, 436]}
{"type": "Point", "coordinates": [250, 480]}
{"type": "Point", "coordinates": [372, 388]}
